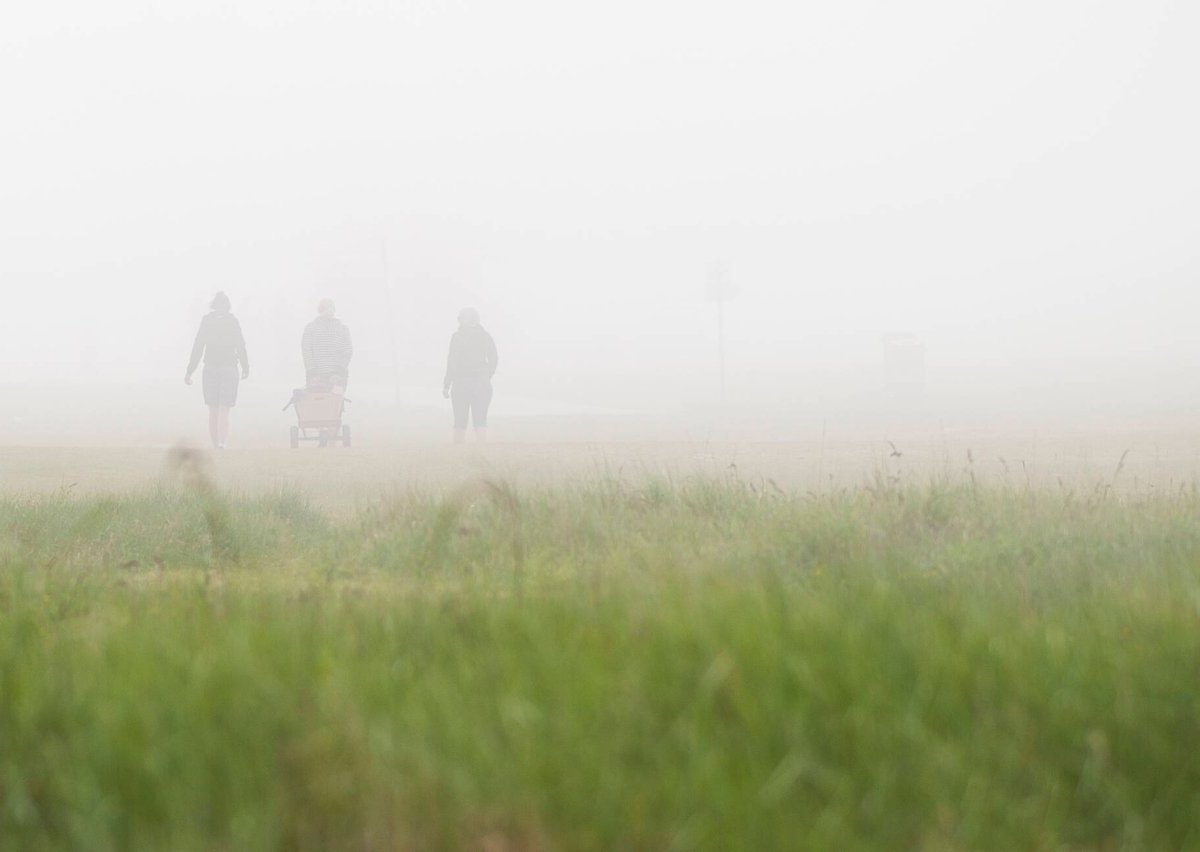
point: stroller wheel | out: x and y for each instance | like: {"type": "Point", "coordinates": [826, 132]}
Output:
{"type": "Point", "coordinates": [295, 437]}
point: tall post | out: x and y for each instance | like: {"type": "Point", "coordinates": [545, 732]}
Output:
{"type": "Point", "coordinates": [719, 289]}
{"type": "Point", "coordinates": [721, 342]}
{"type": "Point", "coordinates": [391, 319]}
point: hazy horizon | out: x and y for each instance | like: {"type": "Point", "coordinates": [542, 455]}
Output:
{"type": "Point", "coordinates": [1014, 185]}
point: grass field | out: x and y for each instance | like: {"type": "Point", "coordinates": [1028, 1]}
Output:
{"type": "Point", "coordinates": [695, 662]}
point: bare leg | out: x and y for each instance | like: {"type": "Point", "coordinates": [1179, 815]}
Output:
{"type": "Point", "coordinates": [222, 426]}
{"type": "Point", "coordinates": [479, 411]}
{"type": "Point", "coordinates": [213, 424]}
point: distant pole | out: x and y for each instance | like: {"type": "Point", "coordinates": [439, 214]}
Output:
{"type": "Point", "coordinates": [719, 288]}
{"type": "Point", "coordinates": [721, 341]}
{"type": "Point", "coordinates": [391, 319]}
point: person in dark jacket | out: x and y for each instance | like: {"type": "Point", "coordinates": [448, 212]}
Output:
{"type": "Point", "coordinates": [469, 369]}
{"type": "Point", "coordinates": [327, 350]}
{"type": "Point", "coordinates": [223, 347]}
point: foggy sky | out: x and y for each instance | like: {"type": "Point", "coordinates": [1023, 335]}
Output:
{"type": "Point", "coordinates": [1016, 183]}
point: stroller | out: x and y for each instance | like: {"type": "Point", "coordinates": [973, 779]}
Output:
{"type": "Point", "coordinates": [319, 409]}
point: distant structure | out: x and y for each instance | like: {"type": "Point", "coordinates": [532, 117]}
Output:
{"type": "Point", "coordinates": [903, 365]}
{"type": "Point", "coordinates": [719, 288]}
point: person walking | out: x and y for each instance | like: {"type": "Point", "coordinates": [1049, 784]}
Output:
{"type": "Point", "coordinates": [223, 348]}
{"type": "Point", "coordinates": [327, 350]}
{"type": "Point", "coordinates": [469, 369]}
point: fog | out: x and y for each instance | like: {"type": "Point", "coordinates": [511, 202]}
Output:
{"type": "Point", "coordinates": [1011, 189]}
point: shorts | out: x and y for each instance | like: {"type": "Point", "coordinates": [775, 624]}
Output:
{"type": "Point", "coordinates": [220, 386]}
{"type": "Point", "coordinates": [471, 399]}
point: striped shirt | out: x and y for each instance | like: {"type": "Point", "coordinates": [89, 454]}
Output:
{"type": "Point", "coordinates": [326, 346]}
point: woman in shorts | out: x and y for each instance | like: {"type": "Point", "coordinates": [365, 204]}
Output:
{"type": "Point", "coordinates": [223, 348]}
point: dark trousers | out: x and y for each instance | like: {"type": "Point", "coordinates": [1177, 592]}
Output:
{"type": "Point", "coordinates": [471, 398]}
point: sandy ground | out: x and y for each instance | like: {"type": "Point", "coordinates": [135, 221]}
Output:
{"type": "Point", "coordinates": [111, 439]}
{"type": "Point", "coordinates": [1131, 460]}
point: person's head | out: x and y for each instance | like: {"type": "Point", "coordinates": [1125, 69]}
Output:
{"type": "Point", "coordinates": [220, 302]}
{"type": "Point", "coordinates": [325, 307]}
{"type": "Point", "coordinates": [468, 316]}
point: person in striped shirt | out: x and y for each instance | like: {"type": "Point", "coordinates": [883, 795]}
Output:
{"type": "Point", "coordinates": [327, 350]}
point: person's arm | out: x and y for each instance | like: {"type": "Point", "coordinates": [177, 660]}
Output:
{"type": "Point", "coordinates": [306, 348]}
{"type": "Point", "coordinates": [493, 356]}
{"type": "Point", "coordinates": [241, 350]}
{"type": "Point", "coordinates": [347, 347]}
{"type": "Point", "coordinates": [197, 351]}
{"type": "Point", "coordinates": [449, 380]}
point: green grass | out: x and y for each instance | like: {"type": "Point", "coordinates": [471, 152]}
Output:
{"type": "Point", "coordinates": [694, 665]}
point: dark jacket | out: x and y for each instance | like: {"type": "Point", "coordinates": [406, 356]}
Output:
{"type": "Point", "coordinates": [220, 341]}
{"type": "Point", "coordinates": [472, 356]}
